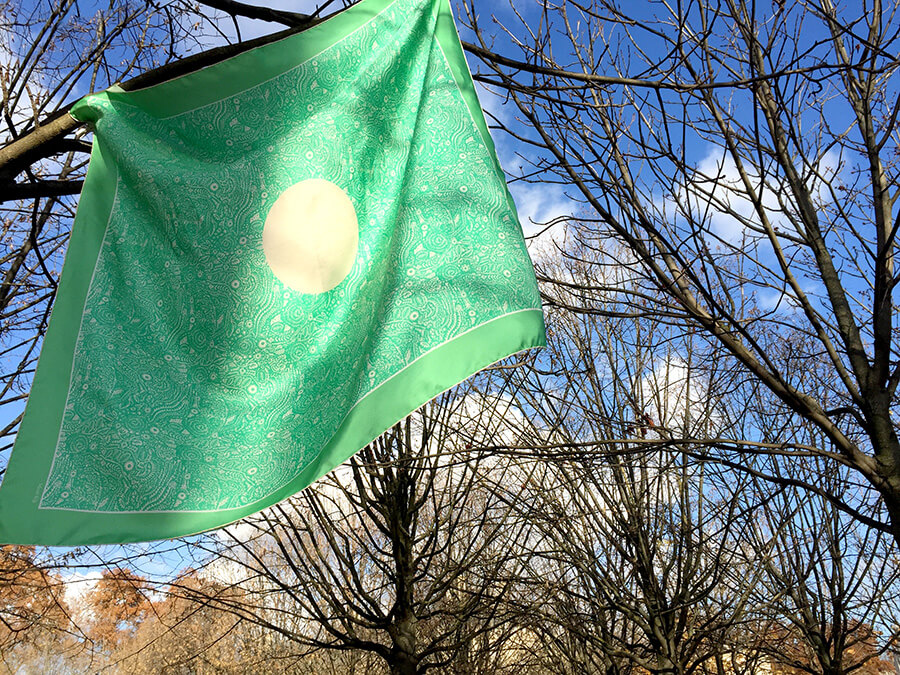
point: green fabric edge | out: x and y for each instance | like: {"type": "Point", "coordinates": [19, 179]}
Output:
{"type": "Point", "coordinates": [451, 45]}
{"type": "Point", "coordinates": [425, 378]}
{"type": "Point", "coordinates": [241, 72]}
{"type": "Point", "coordinates": [30, 461]}
{"type": "Point", "coordinates": [448, 39]}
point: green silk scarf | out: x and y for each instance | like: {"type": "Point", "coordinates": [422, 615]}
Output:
{"type": "Point", "coordinates": [274, 260]}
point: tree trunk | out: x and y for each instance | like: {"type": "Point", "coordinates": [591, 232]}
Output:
{"type": "Point", "coordinates": [404, 660]}
{"type": "Point", "coordinates": [665, 665]}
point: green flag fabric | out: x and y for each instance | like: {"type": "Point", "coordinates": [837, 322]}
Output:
{"type": "Point", "coordinates": [274, 260]}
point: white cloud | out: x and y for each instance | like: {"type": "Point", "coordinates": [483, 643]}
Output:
{"type": "Point", "coordinates": [679, 398]}
{"type": "Point", "coordinates": [544, 213]}
{"type": "Point", "coordinates": [242, 530]}
{"type": "Point", "coordinates": [78, 584]}
{"type": "Point", "coordinates": [543, 208]}
{"type": "Point", "coordinates": [75, 587]}
{"type": "Point", "coordinates": [224, 571]}
{"type": "Point", "coordinates": [494, 106]}
{"type": "Point", "coordinates": [716, 194]}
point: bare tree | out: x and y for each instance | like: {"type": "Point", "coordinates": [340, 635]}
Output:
{"type": "Point", "coordinates": [745, 156]}
{"type": "Point", "coordinates": [830, 588]}
{"type": "Point", "coordinates": [641, 546]}
{"type": "Point", "coordinates": [404, 554]}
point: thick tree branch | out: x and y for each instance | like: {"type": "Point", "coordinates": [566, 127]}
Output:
{"type": "Point", "coordinates": [291, 19]}
{"type": "Point", "coordinates": [44, 141]}
{"type": "Point", "coordinates": [41, 188]}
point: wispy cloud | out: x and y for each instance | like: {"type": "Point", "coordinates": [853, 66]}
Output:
{"type": "Point", "coordinates": [679, 398]}
{"type": "Point", "coordinates": [544, 213]}
{"type": "Point", "coordinates": [717, 194]}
